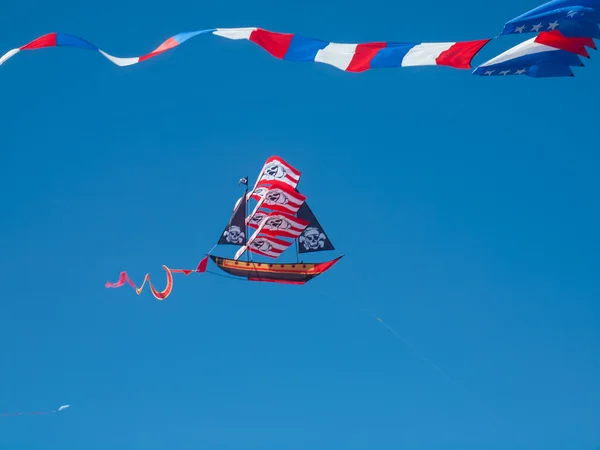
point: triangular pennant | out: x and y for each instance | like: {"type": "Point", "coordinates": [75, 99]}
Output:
{"type": "Point", "coordinates": [235, 231]}
{"type": "Point", "coordinates": [313, 238]}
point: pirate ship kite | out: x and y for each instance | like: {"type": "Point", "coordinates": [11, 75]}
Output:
{"type": "Point", "coordinates": [281, 218]}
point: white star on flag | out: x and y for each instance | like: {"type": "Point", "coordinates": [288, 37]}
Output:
{"type": "Point", "coordinates": [505, 72]}
{"type": "Point", "coordinates": [553, 25]}
{"type": "Point", "coordinates": [520, 29]}
{"type": "Point", "coordinates": [571, 14]}
{"type": "Point", "coordinates": [488, 72]}
{"type": "Point", "coordinates": [520, 72]}
{"type": "Point", "coordinates": [536, 28]}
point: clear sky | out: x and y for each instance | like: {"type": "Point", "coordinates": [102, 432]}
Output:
{"type": "Point", "coordinates": [467, 208]}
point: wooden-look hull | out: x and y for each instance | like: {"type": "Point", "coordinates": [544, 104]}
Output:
{"type": "Point", "coordinates": [287, 273]}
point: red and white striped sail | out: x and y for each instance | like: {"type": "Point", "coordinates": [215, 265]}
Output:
{"type": "Point", "coordinates": [255, 220]}
{"type": "Point", "coordinates": [278, 197]}
{"type": "Point", "coordinates": [265, 245]}
{"type": "Point", "coordinates": [273, 216]}
{"type": "Point", "coordinates": [281, 197]}
{"type": "Point", "coordinates": [277, 169]}
{"type": "Point", "coordinates": [268, 234]}
{"type": "Point", "coordinates": [280, 224]}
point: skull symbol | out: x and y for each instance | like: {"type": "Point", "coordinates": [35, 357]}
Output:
{"type": "Point", "coordinates": [277, 197]}
{"type": "Point", "coordinates": [257, 218]}
{"type": "Point", "coordinates": [234, 235]}
{"type": "Point", "coordinates": [274, 170]}
{"type": "Point", "coordinates": [277, 223]}
{"type": "Point", "coordinates": [312, 239]}
{"type": "Point", "coordinates": [260, 191]}
{"type": "Point", "coordinates": [262, 245]}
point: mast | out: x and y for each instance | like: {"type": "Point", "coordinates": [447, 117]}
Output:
{"type": "Point", "coordinates": [296, 240]}
{"type": "Point", "coordinates": [245, 224]}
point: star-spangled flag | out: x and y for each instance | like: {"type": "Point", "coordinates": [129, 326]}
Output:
{"type": "Point", "coordinates": [574, 18]}
{"type": "Point", "coordinates": [244, 181]}
{"type": "Point", "coordinates": [539, 57]}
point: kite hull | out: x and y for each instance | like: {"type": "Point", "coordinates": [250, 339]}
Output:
{"type": "Point", "coordinates": [287, 273]}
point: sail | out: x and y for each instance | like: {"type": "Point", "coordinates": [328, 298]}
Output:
{"type": "Point", "coordinates": [277, 169]}
{"type": "Point", "coordinates": [268, 240]}
{"type": "Point", "coordinates": [313, 238]}
{"type": "Point", "coordinates": [280, 224]}
{"type": "Point", "coordinates": [278, 197]}
{"type": "Point", "coordinates": [235, 231]}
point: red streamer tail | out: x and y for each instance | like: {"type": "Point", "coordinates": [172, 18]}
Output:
{"type": "Point", "coordinates": [159, 295]}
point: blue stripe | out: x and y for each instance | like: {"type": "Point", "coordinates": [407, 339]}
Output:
{"type": "Point", "coordinates": [540, 65]}
{"type": "Point", "coordinates": [304, 49]}
{"type": "Point", "coordinates": [391, 56]}
{"type": "Point", "coordinates": [549, 70]}
{"type": "Point", "coordinates": [580, 28]}
{"type": "Point", "coordinates": [182, 37]}
{"type": "Point", "coordinates": [545, 70]}
{"type": "Point", "coordinates": [66, 40]}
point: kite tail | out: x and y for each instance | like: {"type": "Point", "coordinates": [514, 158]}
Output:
{"type": "Point", "coordinates": [159, 295]}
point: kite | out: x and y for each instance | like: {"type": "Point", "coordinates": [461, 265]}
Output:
{"type": "Point", "coordinates": [574, 18]}
{"type": "Point", "coordinates": [292, 47]}
{"type": "Point", "coordinates": [565, 28]}
{"type": "Point", "coordinates": [550, 54]}
{"type": "Point", "coordinates": [570, 19]}
{"type": "Point", "coordinates": [63, 407]}
{"type": "Point", "coordinates": [280, 218]}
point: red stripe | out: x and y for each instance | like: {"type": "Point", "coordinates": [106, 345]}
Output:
{"type": "Point", "coordinates": [557, 40]}
{"type": "Point", "coordinates": [363, 55]}
{"type": "Point", "coordinates": [47, 40]}
{"type": "Point", "coordinates": [276, 44]}
{"type": "Point", "coordinates": [461, 54]}
{"type": "Point", "coordinates": [275, 241]}
{"type": "Point", "coordinates": [271, 280]}
{"type": "Point", "coordinates": [285, 163]}
{"type": "Point", "coordinates": [293, 194]}
{"type": "Point", "coordinates": [167, 45]}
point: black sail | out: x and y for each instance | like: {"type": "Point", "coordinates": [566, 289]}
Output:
{"type": "Point", "coordinates": [235, 231]}
{"type": "Point", "coordinates": [313, 238]}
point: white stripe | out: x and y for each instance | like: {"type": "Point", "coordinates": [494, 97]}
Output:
{"type": "Point", "coordinates": [337, 55]}
{"type": "Point", "coordinates": [287, 166]}
{"type": "Point", "coordinates": [122, 62]}
{"type": "Point", "coordinates": [234, 33]}
{"type": "Point", "coordinates": [425, 54]}
{"type": "Point", "coordinates": [528, 47]}
{"type": "Point", "coordinates": [9, 54]}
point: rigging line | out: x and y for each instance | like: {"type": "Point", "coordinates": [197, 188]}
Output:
{"type": "Point", "coordinates": [225, 276]}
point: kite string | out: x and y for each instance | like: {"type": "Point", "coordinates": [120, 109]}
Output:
{"type": "Point", "coordinates": [421, 355]}
{"type": "Point", "coordinates": [36, 413]}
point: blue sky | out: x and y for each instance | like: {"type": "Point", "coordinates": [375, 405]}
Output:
{"type": "Point", "coordinates": [466, 207]}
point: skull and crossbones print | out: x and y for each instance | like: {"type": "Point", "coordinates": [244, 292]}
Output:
{"type": "Point", "coordinates": [274, 171]}
{"type": "Point", "coordinates": [258, 218]}
{"type": "Point", "coordinates": [262, 245]}
{"type": "Point", "coordinates": [312, 239]}
{"type": "Point", "coordinates": [277, 197]}
{"type": "Point", "coordinates": [277, 223]}
{"type": "Point", "coordinates": [234, 235]}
